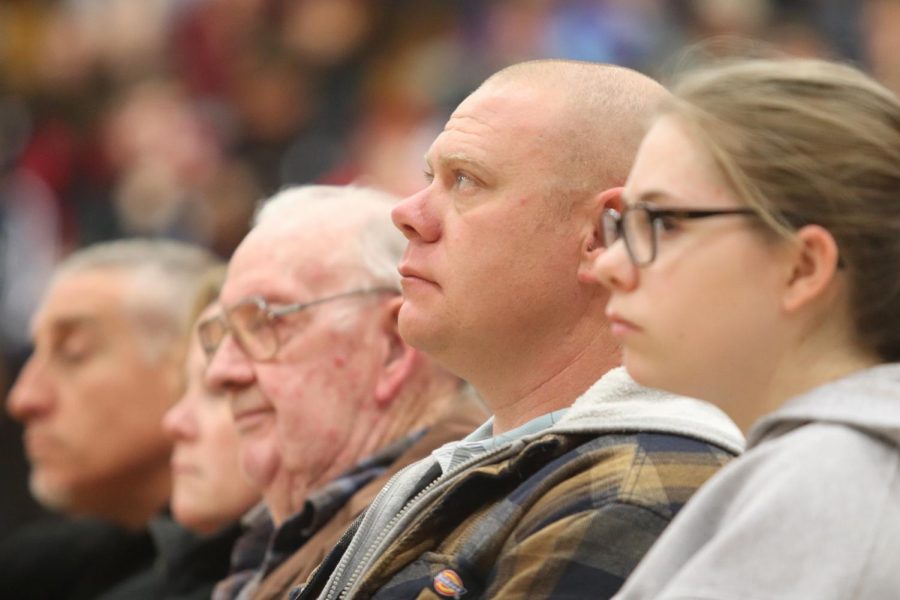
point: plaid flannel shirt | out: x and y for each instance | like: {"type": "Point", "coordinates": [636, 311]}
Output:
{"type": "Point", "coordinates": [568, 517]}
{"type": "Point", "coordinates": [264, 548]}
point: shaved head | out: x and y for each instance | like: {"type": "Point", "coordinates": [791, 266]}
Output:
{"type": "Point", "coordinates": [605, 111]}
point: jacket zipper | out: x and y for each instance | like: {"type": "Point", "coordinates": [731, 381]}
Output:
{"type": "Point", "coordinates": [403, 511]}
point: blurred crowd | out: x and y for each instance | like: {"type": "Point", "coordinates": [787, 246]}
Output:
{"type": "Point", "coordinates": [173, 117]}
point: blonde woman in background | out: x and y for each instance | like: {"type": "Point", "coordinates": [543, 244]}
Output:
{"type": "Point", "coordinates": [208, 491]}
{"type": "Point", "coordinates": [754, 261]}
{"type": "Point", "coordinates": [209, 495]}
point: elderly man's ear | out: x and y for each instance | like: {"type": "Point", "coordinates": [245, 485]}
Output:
{"type": "Point", "coordinates": [400, 359]}
{"type": "Point", "coordinates": [593, 244]}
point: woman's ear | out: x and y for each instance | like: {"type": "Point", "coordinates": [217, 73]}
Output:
{"type": "Point", "coordinates": [594, 243]}
{"type": "Point", "coordinates": [815, 263]}
{"type": "Point", "coordinates": [399, 357]}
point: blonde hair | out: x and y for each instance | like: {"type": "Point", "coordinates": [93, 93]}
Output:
{"type": "Point", "coordinates": [809, 141]}
{"type": "Point", "coordinates": [208, 289]}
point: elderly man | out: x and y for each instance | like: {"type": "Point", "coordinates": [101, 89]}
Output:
{"type": "Point", "coordinates": [328, 399]}
{"type": "Point", "coordinates": [579, 470]}
{"type": "Point", "coordinates": [108, 349]}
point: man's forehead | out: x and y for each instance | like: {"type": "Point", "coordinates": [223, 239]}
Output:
{"type": "Point", "coordinates": [277, 267]}
{"type": "Point", "coordinates": [72, 322]}
{"type": "Point", "coordinates": [83, 297]}
{"type": "Point", "coordinates": [496, 114]}
{"type": "Point", "coordinates": [497, 99]}
{"type": "Point", "coordinates": [287, 288]}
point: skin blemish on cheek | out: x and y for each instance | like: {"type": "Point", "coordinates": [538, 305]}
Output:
{"type": "Point", "coordinates": [339, 361]}
{"type": "Point", "coordinates": [316, 276]}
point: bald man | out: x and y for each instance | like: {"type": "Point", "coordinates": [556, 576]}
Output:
{"type": "Point", "coordinates": [562, 492]}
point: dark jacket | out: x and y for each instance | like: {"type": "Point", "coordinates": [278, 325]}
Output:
{"type": "Point", "coordinates": [187, 566]}
{"type": "Point", "coordinates": [70, 559]}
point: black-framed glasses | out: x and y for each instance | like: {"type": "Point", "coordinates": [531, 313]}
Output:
{"type": "Point", "coordinates": [252, 323]}
{"type": "Point", "coordinates": [639, 226]}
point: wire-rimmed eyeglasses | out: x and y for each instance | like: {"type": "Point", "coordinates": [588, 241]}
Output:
{"type": "Point", "coordinates": [252, 323]}
{"type": "Point", "coordinates": [639, 226]}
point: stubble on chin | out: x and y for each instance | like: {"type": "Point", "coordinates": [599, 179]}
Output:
{"type": "Point", "coordinates": [48, 495]}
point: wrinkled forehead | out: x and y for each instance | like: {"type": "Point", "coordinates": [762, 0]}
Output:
{"type": "Point", "coordinates": [281, 265]}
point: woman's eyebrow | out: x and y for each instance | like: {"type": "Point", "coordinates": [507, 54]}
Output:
{"type": "Point", "coordinates": [651, 197]}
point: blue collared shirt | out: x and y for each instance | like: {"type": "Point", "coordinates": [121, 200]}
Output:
{"type": "Point", "coordinates": [481, 440]}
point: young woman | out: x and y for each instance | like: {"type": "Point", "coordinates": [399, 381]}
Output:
{"type": "Point", "coordinates": [754, 261]}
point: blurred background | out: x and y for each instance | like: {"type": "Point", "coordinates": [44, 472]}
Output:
{"type": "Point", "coordinates": [174, 117]}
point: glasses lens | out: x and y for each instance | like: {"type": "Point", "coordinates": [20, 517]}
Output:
{"type": "Point", "coordinates": [638, 229]}
{"type": "Point", "coordinates": [254, 331]}
{"type": "Point", "coordinates": [210, 333]}
{"type": "Point", "coordinates": [610, 222]}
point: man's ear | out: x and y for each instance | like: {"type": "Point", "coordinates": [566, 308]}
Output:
{"type": "Point", "coordinates": [594, 243]}
{"type": "Point", "coordinates": [815, 262]}
{"type": "Point", "coordinates": [400, 358]}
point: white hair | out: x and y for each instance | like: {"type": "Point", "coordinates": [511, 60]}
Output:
{"type": "Point", "coordinates": [375, 250]}
{"type": "Point", "coordinates": [365, 248]}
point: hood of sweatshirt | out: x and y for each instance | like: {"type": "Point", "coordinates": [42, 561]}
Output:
{"type": "Point", "coordinates": [616, 403]}
{"type": "Point", "coordinates": [867, 400]}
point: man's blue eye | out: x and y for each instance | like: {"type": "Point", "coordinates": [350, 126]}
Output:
{"type": "Point", "coordinates": [463, 180]}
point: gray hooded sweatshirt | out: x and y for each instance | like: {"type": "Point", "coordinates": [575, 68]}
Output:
{"type": "Point", "coordinates": [810, 512]}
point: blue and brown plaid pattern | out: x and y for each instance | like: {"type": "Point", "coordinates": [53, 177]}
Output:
{"type": "Point", "coordinates": [263, 549]}
{"type": "Point", "coordinates": [569, 517]}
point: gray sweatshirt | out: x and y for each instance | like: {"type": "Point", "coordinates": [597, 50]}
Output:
{"type": "Point", "coordinates": [810, 511]}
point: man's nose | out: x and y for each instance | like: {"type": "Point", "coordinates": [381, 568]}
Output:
{"type": "Point", "coordinates": [416, 219]}
{"type": "Point", "coordinates": [33, 393]}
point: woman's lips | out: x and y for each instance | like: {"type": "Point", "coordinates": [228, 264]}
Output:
{"type": "Point", "coordinates": [621, 327]}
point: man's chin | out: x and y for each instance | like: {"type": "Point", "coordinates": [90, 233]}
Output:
{"type": "Point", "coordinates": [259, 464]}
{"type": "Point", "coordinates": [416, 327]}
{"type": "Point", "coordinates": [432, 341]}
{"type": "Point", "coordinates": [48, 494]}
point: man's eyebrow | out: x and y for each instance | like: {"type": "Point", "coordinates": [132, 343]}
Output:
{"type": "Point", "coordinates": [69, 323]}
{"type": "Point", "coordinates": [458, 158]}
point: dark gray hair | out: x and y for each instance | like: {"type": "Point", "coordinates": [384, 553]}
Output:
{"type": "Point", "coordinates": [164, 279]}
